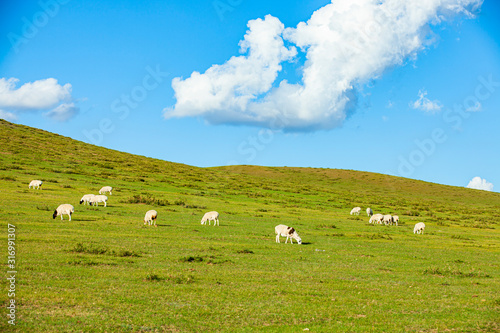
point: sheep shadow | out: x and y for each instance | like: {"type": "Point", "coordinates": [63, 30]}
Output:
{"type": "Point", "coordinates": [306, 243]}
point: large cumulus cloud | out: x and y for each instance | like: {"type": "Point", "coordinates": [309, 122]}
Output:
{"type": "Point", "coordinates": [345, 44]}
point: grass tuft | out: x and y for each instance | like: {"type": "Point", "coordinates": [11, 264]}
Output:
{"type": "Point", "coordinates": [89, 249]}
{"type": "Point", "coordinates": [153, 277]}
{"type": "Point", "coordinates": [245, 251]}
{"type": "Point", "coordinates": [455, 273]}
{"type": "Point", "coordinates": [147, 199]}
{"type": "Point", "coordinates": [191, 259]}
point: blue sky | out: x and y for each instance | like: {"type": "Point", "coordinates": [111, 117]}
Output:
{"type": "Point", "coordinates": [417, 97]}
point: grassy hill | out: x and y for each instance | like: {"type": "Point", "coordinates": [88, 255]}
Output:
{"type": "Point", "coordinates": [106, 271]}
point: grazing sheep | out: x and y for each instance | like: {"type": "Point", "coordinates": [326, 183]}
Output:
{"type": "Point", "coordinates": [86, 199]}
{"type": "Point", "coordinates": [355, 211]}
{"type": "Point", "coordinates": [369, 211]}
{"type": "Point", "coordinates": [210, 216]}
{"type": "Point", "coordinates": [66, 209]}
{"type": "Point", "coordinates": [288, 232]}
{"type": "Point", "coordinates": [35, 183]}
{"type": "Point", "coordinates": [105, 189]}
{"type": "Point", "coordinates": [419, 228]}
{"type": "Point", "coordinates": [376, 218]}
{"type": "Point", "coordinates": [150, 217]}
{"type": "Point", "coordinates": [395, 219]}
{"type": "Point", "coordinates": [98, 198]}
{"type": "Point", "coordinates": [387, 219]}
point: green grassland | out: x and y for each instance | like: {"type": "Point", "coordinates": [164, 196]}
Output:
{"type": "Point", "coordinates": [105, 271]}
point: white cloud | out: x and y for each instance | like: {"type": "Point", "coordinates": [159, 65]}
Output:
{"type": "Point", "coordinates": [225, 91]}
{"type": "Point", "coordinates": [425, 104]}
{"type": "Point", "coordinates": [7, 115]}
{"type": "Point", "coordinates": [480, 184]}
{"type": "Point", "coordinates": [63, 112]}
{"type": "Point", "coordinates": [345, 44]}
{"type": "Point", "coordinates": [43, 94]}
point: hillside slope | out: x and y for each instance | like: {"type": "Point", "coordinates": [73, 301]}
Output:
{"type": "Point", "coordinates": [23, 148]}
{"type": "Point", "coordinates": [106, 271]}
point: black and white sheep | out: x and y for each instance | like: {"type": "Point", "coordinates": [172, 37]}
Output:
{"type": "Point", "coordinates": [419, 228]}
{"type": "Point", "coordinates": [210, 216]}
{"type": "Point", "coordinates": [369, 211]}
{"type": "Point", "coordinates": [86, 199]}
{"type": "Point", "coordinates": [376, 218]}
{"type": "Point", "coordinates": [35, 184]}
{"type": "Point", "coordinates": [150, 217]}
{"type": "Point", "coordinates": [288, 232]}
{"type": "Point", "coordinates": [64, 209]}
{"type": "Point", "coordinates": [387, 219]}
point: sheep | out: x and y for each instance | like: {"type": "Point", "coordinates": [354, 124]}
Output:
{"type": "Point", "coordinates": [105, 189]}
{"type": "Point", "coordinates": [369, 211]}
{"type": "Point", "coordinates": [35, 183]}
{"type": "Point", "coordinates": [86, 199]}
{"type": "Point", "coordinates": [376, 218]}
{"type": "Point", "coordinates": [64, 209]}
{"type": "Point", "coordinates": [387, 219]}
{"type": "Point", "coordinates": [355, 211]}
{"type": "Point", "coordinates": [210, 216]}
{"type": "Point", "coordinates": [150, 217]}
{"type": "Point", "coordinates": [395, 219]}
{"type": "Point", "coordinates": [288, 232]}
{"type": "Point", "coordinates": [98, 198]}
{"type": "Point", "coordinates": [419, 228]}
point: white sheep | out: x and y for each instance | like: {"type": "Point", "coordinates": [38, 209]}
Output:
{"type": "Point", "coordinates": [210, 216]}
{"type": "Point", "coordinates": [376, 218]}
{"type": "Point", "coordinates": [98, 198]}
{"type": "Point", "coordinates": [419, 228]}
{"type": "Point", "coordinates": [355, 211]}
{"type": "Point", "coordinates": [395, 219]}
{"type": "Point", "coordinates": [86, 199]}
{"type": "Point", "coordinates": [387, 219]}
{"type": "Point", "coordinates": [150, 217]}
{"type": "Point", "coordinates": [64, 209]}
{"type": "Point", "coordinates": [369, 211]}
{"type": "Point", "coordinates": [288, 232]}
{"type": "Point", "coordinates": [105, 189]}
{"type": "Point", "coordinates": [35, 183]}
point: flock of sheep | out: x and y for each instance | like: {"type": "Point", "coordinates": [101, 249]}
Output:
{"type": "Point", "coordinates": [280, 230]}
{"type": "Point", "coordinates": [67, 209]}
{"type": "Point", "coordinates": [387, 219]}
{"type": "Point", "coordinates": [94, 200]}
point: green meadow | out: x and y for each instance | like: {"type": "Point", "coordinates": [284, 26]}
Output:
{"type": "Point", "coordinates": [105, 271]}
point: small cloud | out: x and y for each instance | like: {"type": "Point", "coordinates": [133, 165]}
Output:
{"type": "Point", "coordinates": [63, 112]}
{"type": "Point", "coordinates": [480, 184]}
{"type": "Point", "coordinates": [425, 104]}
{"type": "Point", "coordinates": [9, 116]}
{"type": "Point", "coordinates": [46, 94]}
{"type": "Point", "coordinates": [385, 118]}
{"type": "Point", "coordinates": [390, 104]}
